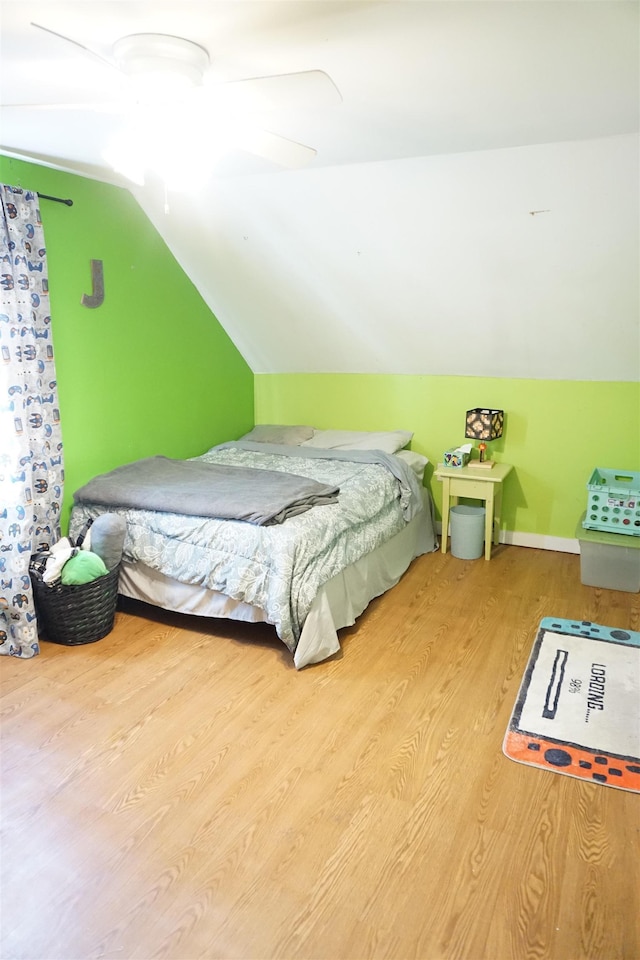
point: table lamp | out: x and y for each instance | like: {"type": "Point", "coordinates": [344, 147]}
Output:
{"type": "Point", "coordinates": [484, 424]}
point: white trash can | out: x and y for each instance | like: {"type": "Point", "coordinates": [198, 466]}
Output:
{"type": "Point", "coordinates": [467, 532]}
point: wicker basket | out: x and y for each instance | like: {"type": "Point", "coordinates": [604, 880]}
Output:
{"type": "Point", "coordinates": [73, 614]}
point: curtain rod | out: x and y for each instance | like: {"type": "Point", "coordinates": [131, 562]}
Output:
{"type": "Point", "coordinates": [43, 196]}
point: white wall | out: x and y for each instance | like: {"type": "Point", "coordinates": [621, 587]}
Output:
{"type": "Point", "coordinates": [434, 265]}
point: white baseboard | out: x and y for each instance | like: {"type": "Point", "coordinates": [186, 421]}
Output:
{"type": "Point", "coordinates": [540, 542]}
{"type": "Point", "coordinates": [536, 540]}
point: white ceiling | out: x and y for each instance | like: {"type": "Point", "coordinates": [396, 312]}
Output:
{"type": "Point", "coordinates": [417, 78]}
{"type": "Point", "coordinates": [297, 265]}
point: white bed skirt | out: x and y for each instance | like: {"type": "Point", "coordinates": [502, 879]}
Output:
{"type": "Point", "coordinates": [338, 603]}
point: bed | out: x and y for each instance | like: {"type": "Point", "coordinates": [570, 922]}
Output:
{"type": "Point", "coordinates": [308, 570]}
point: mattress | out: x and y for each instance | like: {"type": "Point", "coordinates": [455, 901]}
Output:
{"type": "Point", "coordinates": [299, 575]}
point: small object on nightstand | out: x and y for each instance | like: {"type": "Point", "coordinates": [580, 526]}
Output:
{"type": "Point", "coordinates": [482, 462]}
{"type": "Point", "coordinates": [458, 456]}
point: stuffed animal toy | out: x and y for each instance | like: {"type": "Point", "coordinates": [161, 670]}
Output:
{"type": "Point", "coordinates": [106, 538]}
{"type": "Point", "coordinates": [83, 567]}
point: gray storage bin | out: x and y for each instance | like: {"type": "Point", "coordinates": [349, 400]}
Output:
{"type": "Point", "coordinates": [609, 560]}
{"type": "Point", "coordinates": [467, 532]}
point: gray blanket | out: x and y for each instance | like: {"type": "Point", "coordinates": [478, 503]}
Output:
{"type": "Point", "coordinates": [410, 487]}
{"type": "Point", "coordinates": [206, 490]}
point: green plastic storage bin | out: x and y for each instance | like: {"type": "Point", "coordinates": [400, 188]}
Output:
{"type": "Point", "coordinates": [614, 502]}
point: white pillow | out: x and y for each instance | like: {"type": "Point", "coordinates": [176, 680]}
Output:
{"type": "Point", "coordinates": [279, 433]}
{"type": "Point", "coordinates": [414, 460]}
{"type": "Point", "coordinates": [389, 441]}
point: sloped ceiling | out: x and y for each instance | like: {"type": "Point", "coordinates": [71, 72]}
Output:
{"type": "Point", "coordinates": [313, 269]}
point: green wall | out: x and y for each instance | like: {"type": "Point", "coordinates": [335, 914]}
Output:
{"type": "Point", "coordinates": [556, 431]}
{"type": "Point", "coordinates": [151, 371]}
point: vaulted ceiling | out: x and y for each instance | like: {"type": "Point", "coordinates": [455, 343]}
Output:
{"type": "Point", "coordinates": [416, 80]}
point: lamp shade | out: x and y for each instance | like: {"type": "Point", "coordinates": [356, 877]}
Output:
{"type": "Point", "coordinates": [484, 424]}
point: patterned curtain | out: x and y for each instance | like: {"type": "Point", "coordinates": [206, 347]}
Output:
{"type": "Point", "coordinates": [31, 468]}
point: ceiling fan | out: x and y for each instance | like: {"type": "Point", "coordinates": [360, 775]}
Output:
{"type": "Point", "coordinates": [165, 73]}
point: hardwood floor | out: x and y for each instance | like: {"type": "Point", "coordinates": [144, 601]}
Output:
{"type": "Point", "coordinates": [178, 790]}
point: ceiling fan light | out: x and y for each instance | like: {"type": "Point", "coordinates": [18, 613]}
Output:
{"type": "Point", "coordinates": [154, 59]}
{"type": "Point", "coordinates": [154, 82]}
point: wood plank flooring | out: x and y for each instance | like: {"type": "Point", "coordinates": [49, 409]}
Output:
{"type": "Point", "coordinates": [178, 790]}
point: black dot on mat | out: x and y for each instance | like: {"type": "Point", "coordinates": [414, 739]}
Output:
{"type": "Point", "coordinates": [559, 758]}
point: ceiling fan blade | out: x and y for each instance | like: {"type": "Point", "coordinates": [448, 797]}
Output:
{"type": "Point", "coordinates": [76, 43]}
{"type": "Point", "coordinates": [280, 150]}
{"type": "Point", "coordinates": [307, 89]}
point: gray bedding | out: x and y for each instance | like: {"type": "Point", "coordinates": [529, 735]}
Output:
{"type": "Point", "coordinates": [199, 489]}
{"type": "Point", "coordinates": [278, 567]}
{"type": "Point", "coordinates": [408, 485]}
